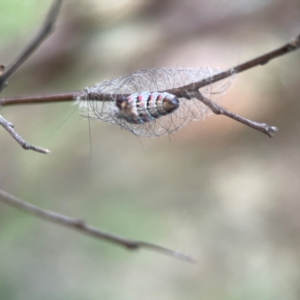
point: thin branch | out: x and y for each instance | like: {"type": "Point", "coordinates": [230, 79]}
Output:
{"type": "Point", "coordinates": [219, 110]}
{"type": "Point", "coordinates": [40, 99]}
{"type": "Point", "coordinates": [258, 61]}
{"type": "Point", "coordinates": [34, 44]}
{"type": "Point", "coordinates": [5, 74]}
{"type": "Point", "coordinates": [80, 225]}
{"type": "Point", "coordinates": [10, 128]}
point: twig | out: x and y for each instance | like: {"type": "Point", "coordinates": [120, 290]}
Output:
{"type": "Point", "coordinates": [10, 128]}
{"type": "Point", "coordinates": [219, 110]}
{"type": "Point", "coordinates": [34, 44]}
{"type": "Point", "coordinates": [6, 74]}
{"type": "Point", "coordinates": [81, 226]}
{"type": "Point", "coordinates": [40, 99]}
{"type": "Point", "coordinates": [293, 45]}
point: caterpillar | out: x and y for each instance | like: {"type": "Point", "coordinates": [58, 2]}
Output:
{"type": "Point", "coordinates": [140, 104]}
{"type": "Point", "coordinates": [139, 108]}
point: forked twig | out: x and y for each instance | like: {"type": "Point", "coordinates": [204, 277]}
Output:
{"type": "Point", "coordinates": [6, 74]}
{"type": "Point", "coordinates": [186, 91]}
{"type": "Point", "coordinates": [80, 225]}
{"type": "Point", "coordinates": [182, 91]}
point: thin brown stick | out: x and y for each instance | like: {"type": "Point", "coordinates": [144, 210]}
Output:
{"type": "Point", "coordinates": [80, 225]}
{"type": "Point", "coordinates": [34, 44]}
{"type": "Point", "coordinates": [10, 128]}
{"type": "Point", "coordinates": [258, 61]}
{"type": "Point", "coordinates": [39, 99]}
{"type": "Point", "coordinates": [5, 74]}
{"type": "Point", "coordinates": [219, 110]}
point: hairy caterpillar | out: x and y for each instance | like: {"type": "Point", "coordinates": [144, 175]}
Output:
{"type": "Point", "coordinates": [139, 102]}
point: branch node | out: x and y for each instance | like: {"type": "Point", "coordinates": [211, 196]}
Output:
{"type": "Point", "coordinates": [270, 130]}
{"type": "Point", "coordinates": [295, 43]}
{"type": "Point", "coordinates": [2, 68]}
{"type": "Point", "coordinates": [80, 224]}
{"type": "Point", "coordinates": [132, 246]}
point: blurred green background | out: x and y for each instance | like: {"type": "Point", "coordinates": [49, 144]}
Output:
{"type": "Point", "coordinates": [217, 190]}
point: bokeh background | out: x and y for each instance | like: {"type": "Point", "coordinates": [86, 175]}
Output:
{"type": "Point", "coordinates": [217, 190]}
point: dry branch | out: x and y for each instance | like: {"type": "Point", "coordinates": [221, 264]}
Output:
{"type": "Point", "coordinates": [80, 225]}
{"type": "Point", "coordinates": [185, 91]}
{"type": "Point", "coordinates": [33, 45]}
{"type": "Point", "coordinates": [5, 74]}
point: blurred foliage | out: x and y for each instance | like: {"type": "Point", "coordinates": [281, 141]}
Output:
{"type": "Point", "coordinates": [220, 191]}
